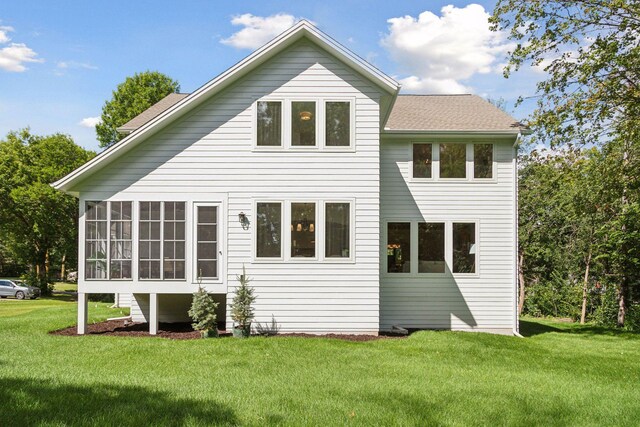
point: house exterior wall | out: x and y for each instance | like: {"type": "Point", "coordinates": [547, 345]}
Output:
{"type": "Point", "coordinates": [209, 156]}
{"type": "Point", "coordinates": [482, 301]}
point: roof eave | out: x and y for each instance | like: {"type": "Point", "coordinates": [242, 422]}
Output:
{"type": "Point", "coordinates": [487, 132]}
{"type": "Point", "coordinates": [252, 61]}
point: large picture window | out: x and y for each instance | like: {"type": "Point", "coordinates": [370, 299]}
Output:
{"type": "Point", "coordinates": [303, 230]}
{"type": "Point", "coordinates": [120, 240]}
{"type": "Point", "coordinates": [337, 126]}
{"type": "Point", "coordinates": [96, 240]}
{"type": "Point", "coordinates": [207, 242]}
{"type": "Point", "coordinates": [431, 248]}
{"type": "Point", "coordinates": [337, 230]}
{"type": "Point", "coordinates": [399, 247]}
{"type": "Point", "coordinates": [269, 230]}
{"type": "Point", "coordinates": [269, 123]}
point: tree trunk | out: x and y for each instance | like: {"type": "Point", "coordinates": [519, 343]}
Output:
{"type": "Point", "coordinates": [520, 282]}
{"type": "Point", "coordinates": [622, 305]}
{"type": "Point", "coordinates": [622, 289]}
{"type": "Point", "coordinates": [583, 314]}
{"type": "Point", "coordinates": [46, 263]}
{"type": "Point", "coordinates": [62, 267]}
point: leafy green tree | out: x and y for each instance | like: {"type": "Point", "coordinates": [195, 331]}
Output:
{"type": "Point", "coordinates": [591, 95]}
{"type": "Point", "coordinates": [35, 219]}
{"type": "Point", "coordinates": [132, 97]}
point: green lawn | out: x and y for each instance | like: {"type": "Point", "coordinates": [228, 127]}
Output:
{"type": "Point", "coordinates": [562, 374]}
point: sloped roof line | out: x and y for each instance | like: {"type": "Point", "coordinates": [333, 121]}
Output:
{"type": "Point", "coordinates": [259, 56]}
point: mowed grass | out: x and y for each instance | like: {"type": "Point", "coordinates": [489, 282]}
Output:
{"type": "Point", "coordinates": [562, 374]}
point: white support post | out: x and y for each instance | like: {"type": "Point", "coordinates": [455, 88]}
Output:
{"type": "Point", "coordinates": [83, 299]}
{"type": "Point", "coordinates": [153, 314]}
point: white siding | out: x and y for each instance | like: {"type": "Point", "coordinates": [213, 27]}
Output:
{"type": "Point", "coordinates": [482, 302]}
{"type": "Point", "coordinates": [209, 152]}
{"type": "Point", "coordinates": [122, 300]}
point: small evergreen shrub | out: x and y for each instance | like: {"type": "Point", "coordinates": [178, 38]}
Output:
{"type": "Point", "coordinates": [203, 313]}
{"type": "Point", "coordinates": [242, 311]}
{"type": "Point", "coordinates": [268, 329]}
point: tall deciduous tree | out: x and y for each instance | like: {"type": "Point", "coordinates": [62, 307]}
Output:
{"type": "Point", "coordinates": [132, 97]}
{"type": "Point", "coordinates": [35, 219]}
{"type": "Point", "coordinates": [589, 50]}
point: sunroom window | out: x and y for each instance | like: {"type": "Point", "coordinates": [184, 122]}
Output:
{"type": "Point", "coordinates": [120, 240]}
{"type": "Point", "coordinates": [96, 240]}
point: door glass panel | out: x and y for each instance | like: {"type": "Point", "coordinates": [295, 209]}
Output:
{"type": "Point", "coordinates": [207, 242]}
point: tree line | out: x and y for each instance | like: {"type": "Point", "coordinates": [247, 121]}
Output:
{"type": "Point", "coordinates": [38, 224]}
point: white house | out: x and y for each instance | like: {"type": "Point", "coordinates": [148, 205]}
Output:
{"type": "Point", "coordinates": [353, 208]}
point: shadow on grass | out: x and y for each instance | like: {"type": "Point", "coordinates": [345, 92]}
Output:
{"type": "Point", "coordinates": [530, 328]}
{"type": "Point", "coordinates": [30, 402]}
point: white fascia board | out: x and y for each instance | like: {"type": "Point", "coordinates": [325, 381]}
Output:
{"type": "Point", "coordinates": [223, 80]}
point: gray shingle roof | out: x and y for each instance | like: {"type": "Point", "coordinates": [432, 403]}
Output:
{"type": "Point", "coordinates": [153, 111]}
{"type": "Point", "coordinates": [420, 113]}
{"type": "Point", "coordinates": [449, 113]}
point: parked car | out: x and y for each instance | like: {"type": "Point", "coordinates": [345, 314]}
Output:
{"type": "Point", "coordinates": [17, 289]}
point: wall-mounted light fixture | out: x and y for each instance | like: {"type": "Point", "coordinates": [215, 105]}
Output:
{"type": "Point", "coordinates": [243, 220]}
{"type": "Point", "coordinates": [305, 115]}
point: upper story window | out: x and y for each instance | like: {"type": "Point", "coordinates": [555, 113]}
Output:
{"type": "Point", "coordinates": [338, 124]}
{"type": "Point", "coordinates": [452, 161]}
{"type": "Point", "coordinates": [303, 124]}
{"type": "Point", "coordinates": [320, 123]}
{"type": "Point", "coordinates": [269, 123]}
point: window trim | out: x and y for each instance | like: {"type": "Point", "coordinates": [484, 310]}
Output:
{"type": "Point", "coordinates": [254, 239]}
{"type": "Point", "coordinates": [320, 257]}
{"type": "Point", "coordinates": [448, 248]}
{"type": "Point", "coordinates": [469, 162]}
{"type": "Point", "coordinates": [286, 136]}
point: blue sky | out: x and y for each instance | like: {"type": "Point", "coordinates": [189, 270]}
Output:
{"type": "Point", "coordinates": [60, 61]}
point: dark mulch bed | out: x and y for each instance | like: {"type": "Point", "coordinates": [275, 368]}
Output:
{"type": "Point", "coordinates": [184, 331]}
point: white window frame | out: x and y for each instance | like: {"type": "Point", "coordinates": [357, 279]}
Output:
{"type": "Point", "coordinates": [320, 118]}
{"type": "Point", "coordinates": [254, 237]}
{"type": "Point", "coordinates": [493, 162]}
{"type": "Point", "coordinates": [469, 162]}
{"type": "Point", "coordinates": [448, 248]}
{"type": "Point", "coordinates": [221, 242]}
{"type": "Point", "coordinates": [108, 238]}
{"type": "Point", "coordinates": [320, 231]}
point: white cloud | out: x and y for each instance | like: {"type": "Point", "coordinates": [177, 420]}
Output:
{"type": "Point", "coordinates": [74, 64]}
{"type": "Point", "coordinates": [4, 37]}
{"type": "Point", "coordinates": [90, 122]}
{"type": "Point", "coordinates": [438, 52]}
{"type": "Point", "coordinates": [15, 55]}
{"type": "Point", "coordinates": [258, 30]}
